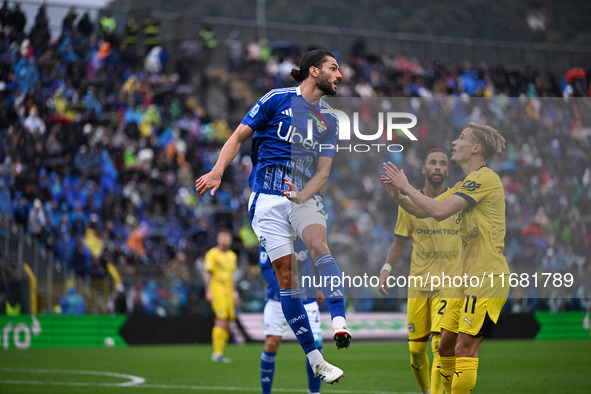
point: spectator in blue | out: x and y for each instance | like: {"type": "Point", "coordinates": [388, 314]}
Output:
{"type": "Point", "coordinates": [471, 81]}
{"type": "Point", "coordinates": [66, 51]}
{"type": "Point", "coordinates": [81, 259]}
{"type": "Point", "coordinates": [154, 304]}
{"type": "Point", "coordinates": [64, 245]}
{"type": "Point", "coordinates": [26, 73]}
{"type": "Point", "coordinates": [20, 208]}
{"type": "Point", "coordinates": [72, 303]}
{"type": "Point", "coordinates": [92, 103]}
{"type": "Point", "coordinates": [5, 200]}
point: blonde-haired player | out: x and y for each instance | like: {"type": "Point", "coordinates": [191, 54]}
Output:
{"type": "Point", "coordinates": [435, 252]}
{"type": "Point", "coordinates": [220, 264]}
{"type": "Point", "coordinates": [478, 203]}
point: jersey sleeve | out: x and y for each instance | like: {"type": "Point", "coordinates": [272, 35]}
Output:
{"type": "Point", "coordinates": [268, 274]}
{"type": "Point", "coordinates": [259, 114]}
{"type": "Point", "coordinates": [443, 196]}
{"type": "Point", "coordinates": [402, 228]}
{"type": "Point", "coordinates": [476, 186]}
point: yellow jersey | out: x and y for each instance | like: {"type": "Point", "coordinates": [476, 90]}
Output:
{"type": "Point", "coordinates": [482, 223]}
{"type": "Point", "coordinates": [221, 265]}
{"type": "Point", "coordinates": [436, 247]}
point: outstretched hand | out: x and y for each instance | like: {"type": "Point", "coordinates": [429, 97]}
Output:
{"type": "Point", "coordinates": [209, 181]}
{"type": "Point", "coordinates": [394, 178]}
{"type": "Point", "coordinates": [292, 192]}
{"type": "Point", "coordinates": [392, 191]}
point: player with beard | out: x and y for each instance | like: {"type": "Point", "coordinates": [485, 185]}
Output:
{"type": "Point", "coordinates": [436, 250]}
{"type": "Point", "coordinates": [478, 204]}
{"type": "Point", "coordinates": [289, 170]}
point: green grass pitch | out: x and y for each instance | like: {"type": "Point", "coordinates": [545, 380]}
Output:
{"type": "Point", "coordinates": [506, 366]}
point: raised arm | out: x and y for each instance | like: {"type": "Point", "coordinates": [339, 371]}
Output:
{"type": "Point", "coordinates": [211, 180]}
{"type": "Point", "coordinates": [439, 210]}
{"type": "Point", "coordinates": [403, 201]}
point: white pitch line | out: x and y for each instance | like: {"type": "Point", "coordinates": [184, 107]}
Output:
{"type": "Point", "coordinates": [139, 382]}
{"type": "Point", "coordinates": [258, 389]}
{"type": "Point", "coordinates": [133, 380]}
{"type": "Point", "coordinates": [188, 387]}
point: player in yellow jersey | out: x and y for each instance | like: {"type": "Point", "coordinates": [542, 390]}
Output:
{"type": "Point", "coordinates": [436, 250]}
{"type": "Point", "coordinates": [478, 204]}
{"type": "Point", "coordinates": [220, 264]}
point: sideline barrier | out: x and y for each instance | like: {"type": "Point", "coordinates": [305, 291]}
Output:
{"type": "Point", "coordinates": [564, 325]}
{"type": "Point", "coordinates": [46, 331]}
{"type": "Point", "coordinates": [43, 331]}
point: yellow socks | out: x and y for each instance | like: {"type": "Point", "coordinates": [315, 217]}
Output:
{"type": "Point", "coordinates": [419, 363]}
{"type": "Point", "coordinates": [219, 338]}
{"type": "Point", "coordinates": [436, 384]}
{"type": "Point", "coordinates": [465, 376]}
{"type": "Point", "coordinates": [448, 367]}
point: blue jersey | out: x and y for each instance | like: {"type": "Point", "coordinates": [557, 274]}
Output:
{"type": "Point", "coordinates": [304, 268]}
{"type": "Point", "coordinates": [282, 121]}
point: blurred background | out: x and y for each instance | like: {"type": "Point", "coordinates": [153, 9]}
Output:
{"type": "Point", "coordinates": [111, 110]}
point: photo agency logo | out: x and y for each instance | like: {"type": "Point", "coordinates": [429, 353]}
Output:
{"type": "Point", "coordinates": [370, 139]}
{"type": "Point", "coordinates": [347, 125]}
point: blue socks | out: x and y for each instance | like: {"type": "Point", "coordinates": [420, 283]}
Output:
{"type": "Point", "coordinates": [267, 371]}
{"type": "Point", "coordinates": [297, 318]}
{"type": "Point", "coordinates": [331, 276]}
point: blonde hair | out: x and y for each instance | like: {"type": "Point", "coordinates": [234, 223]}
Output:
{"type": "Point", "coordinates": [491, 140]}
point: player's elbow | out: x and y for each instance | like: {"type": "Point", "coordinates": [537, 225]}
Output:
{"type": "Point", "coordinates": [440, 216]}
{"type": "Point", "coordinates": [421, 215]}
{"type": "Point", "coordinates": [324, 175]}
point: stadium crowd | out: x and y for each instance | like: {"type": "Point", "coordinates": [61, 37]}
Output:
{"type": "Point", "coordinates": [99, 151]}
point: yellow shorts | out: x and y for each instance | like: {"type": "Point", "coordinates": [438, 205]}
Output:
{"type": "Point", "coordinates": [451, 316]}
{"type": "Point", "coordinates": [474, 315]}
{"type": "Point", "coordinates": [424, 314]}
{"type": "Point", "coordinates": [223, 305]}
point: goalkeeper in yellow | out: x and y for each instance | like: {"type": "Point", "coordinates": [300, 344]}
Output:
{"type": "Point", "coordinates": [478, 205]}
{"type": "Point", "coordinates": [435, 251]}
{"type": "Point", "coordinates": [220, 264]}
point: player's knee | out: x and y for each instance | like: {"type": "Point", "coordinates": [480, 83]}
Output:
{"type": "Point", "coordinates": [417, 348]}
{"type": "Point", "coordinates": [272, 344]}
{"type": "Point", "coordinates": [285, 281]}
{"type": "Point", "coordinates": [223, 323]}
{"type": "Point", "coordinates": [318, 247]}
{"type": "Point", "coordinates": [446, 348]}
{"type": "Point", "coordinates": [466, 348]}
{"type": "Point", "coordinates": [284, 276]}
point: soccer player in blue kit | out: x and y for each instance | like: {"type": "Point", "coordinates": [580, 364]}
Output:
{"type": "Point", "coordinates": [289, 170]}
{"type": "Point", "coordinates": [275, 324]}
